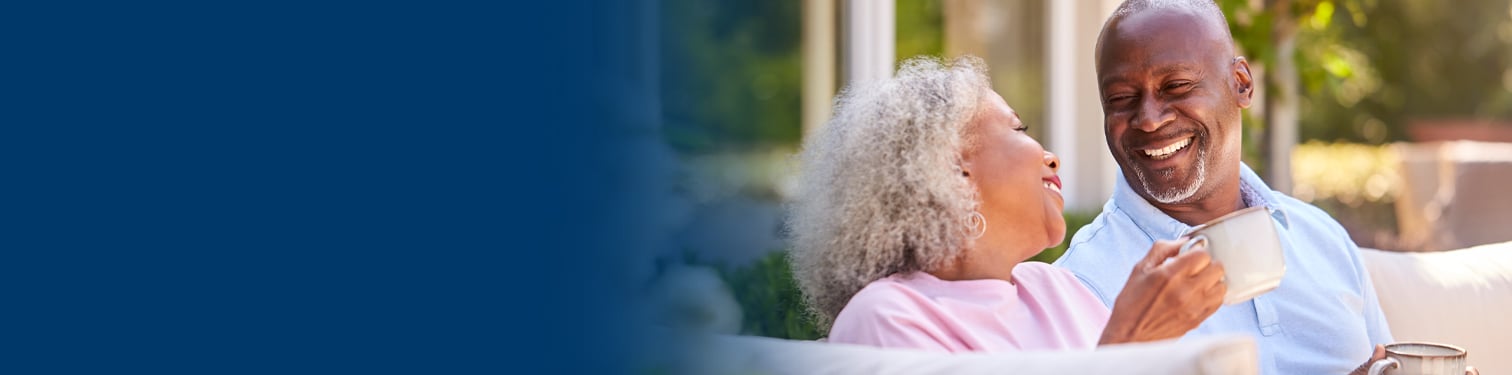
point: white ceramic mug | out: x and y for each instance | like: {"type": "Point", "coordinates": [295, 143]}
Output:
{"type": "Point", "coordinates": [1422, 358]}
{"type": "Point", "coordinates": [1245, 242]}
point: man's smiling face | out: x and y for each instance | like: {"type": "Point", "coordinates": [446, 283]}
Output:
{"type": "Point", "coordinates": [1171, 94]}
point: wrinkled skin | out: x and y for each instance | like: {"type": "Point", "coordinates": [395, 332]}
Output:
{"type": "Point", "coordinates": [1165, 299]}
{"type": "Point", "coordinates": [1169, 77]}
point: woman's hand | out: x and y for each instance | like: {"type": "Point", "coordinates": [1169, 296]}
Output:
{"type": "Point", "coordinates": [1378, 354]}
{"type": "Point", "coordinates": [1164, 300]}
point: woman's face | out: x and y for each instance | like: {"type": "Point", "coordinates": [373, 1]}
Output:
{"type": "Point", "coordinates": [1015, 179]}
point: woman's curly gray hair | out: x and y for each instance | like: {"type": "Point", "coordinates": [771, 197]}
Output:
{"type": "Point", "coordinates": [880, 189]}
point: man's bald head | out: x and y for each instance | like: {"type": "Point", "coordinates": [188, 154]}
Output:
{"type": "Point", "coordinates": [1205, 9]}
{"type": "Point", "coordinates": [1206, 6]}
{"type": "Point", "coordinates": [1172, 91]}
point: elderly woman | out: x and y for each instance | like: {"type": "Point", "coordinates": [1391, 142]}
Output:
{"type": "Point", "coordinates": [918, 204]}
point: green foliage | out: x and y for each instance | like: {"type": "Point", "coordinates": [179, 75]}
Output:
{"type": "Point", "coordinates": [1425, 59]}
{"type": "Point", "coordinates": [769, 299]}
{"type": "Point", "coordinates": [1368, 68]}
{"type": "Point", "coordinates": [920, 28]}
{"type": "Point", "coordinates": [732, 70]}
{"type": "Point", "coordinates": [1251, 29]}
{"type": "Point", "coordinates": [731, 74]}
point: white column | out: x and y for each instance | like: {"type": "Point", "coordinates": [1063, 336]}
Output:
{"type": "Point", "coordinates": [870, 39]}
{"type": "Point", "coordinates": [1073, 110]}
{"type": "Point", "coordinates": [1060, 110]}
{"type": "Point", "coordinates": [1109, 174]}
{"type": "Point", "coordinates": [818, 63]}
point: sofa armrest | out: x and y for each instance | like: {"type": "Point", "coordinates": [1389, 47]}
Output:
{"type": "Point", "coordinates": [746, 355]}
{"type": "Point", "coordinates": [1461, 297]}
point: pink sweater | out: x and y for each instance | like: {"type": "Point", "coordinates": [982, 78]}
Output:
{"type": "Point", "coordinates": [1044, 308]}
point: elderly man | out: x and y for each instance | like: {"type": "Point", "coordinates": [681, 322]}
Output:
{"type": "Point", "coordinates": [1172, 89]}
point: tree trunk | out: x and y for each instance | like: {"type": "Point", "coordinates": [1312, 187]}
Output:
{"type": "Point", "coordinates": [1281, 99]}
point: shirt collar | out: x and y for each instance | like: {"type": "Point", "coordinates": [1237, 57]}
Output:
{"type": "Point", "coordinates": [1160, 226]}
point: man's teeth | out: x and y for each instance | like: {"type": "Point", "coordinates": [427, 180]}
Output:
{"type": "Point", "coordinates": [1168, 150]}
{"type": "Point", "coordinates": [1051, 186]}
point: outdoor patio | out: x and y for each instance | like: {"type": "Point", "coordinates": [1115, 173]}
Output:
{"type": "Point", "coordinates": [1344, 122]}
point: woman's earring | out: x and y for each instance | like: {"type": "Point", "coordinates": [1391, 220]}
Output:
{"type": "Point", "coordinates": [977, 223]}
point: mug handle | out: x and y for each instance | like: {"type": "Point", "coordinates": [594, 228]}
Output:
{"type": "Point", "coordinates": [1471, 370]}
{"type": "Point", "coordinates": [1379, 367]}
{"type": "Point", "coordinates": [1193, 242]}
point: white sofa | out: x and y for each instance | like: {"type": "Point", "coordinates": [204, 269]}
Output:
{"type": "Point", "coordinates": [1461, 297]}
{"type": "Point", "coordinates": [759, 355]}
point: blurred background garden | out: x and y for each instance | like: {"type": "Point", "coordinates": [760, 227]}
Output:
{"type": "Point", "coordinates": [1390, 115]}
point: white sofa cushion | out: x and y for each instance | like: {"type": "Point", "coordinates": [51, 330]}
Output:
{"type": "Point", "coordinates": [748, 355]}
{"type": "Point", "coordinates": [1461, 297]}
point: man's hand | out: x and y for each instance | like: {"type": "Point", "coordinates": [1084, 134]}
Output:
{"type": "Point", "coordinates": [1164, 300]}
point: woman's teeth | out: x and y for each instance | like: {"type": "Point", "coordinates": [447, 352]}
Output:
{"type": "Point", "coordinates": [1051, 186]}
{"type": "Point", "coordinates": [1165, 152]}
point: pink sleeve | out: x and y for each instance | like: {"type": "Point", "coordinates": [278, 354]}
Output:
{"type": "Point", "coordinates": [887, 316]}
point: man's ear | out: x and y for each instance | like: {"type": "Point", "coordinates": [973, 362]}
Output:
{"type": "Point", "coordinates": [1244, 82]}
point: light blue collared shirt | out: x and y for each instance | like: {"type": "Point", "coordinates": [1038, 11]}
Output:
{"type": "Point", "coordinates": [1323, 319]}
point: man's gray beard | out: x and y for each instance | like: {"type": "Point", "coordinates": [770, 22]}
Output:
{"type": "Point", "coordinates": [1176, 195]}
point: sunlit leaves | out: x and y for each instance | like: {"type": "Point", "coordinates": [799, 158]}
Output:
{"type": "Point", "coordinates": [1347, 172]}
{"type": "Point", "coordinates": [1322, 16]}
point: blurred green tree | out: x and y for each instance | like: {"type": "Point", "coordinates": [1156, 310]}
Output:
{"type": "Point", "coordinates": [1413, 60]}
{"type": "Point", "coordinates": [730, 74]}
{"type": "Point", "coordinates": [921, 28]}
{"type": "Point", "coordinates": [732, 69]}
{"type": "Point", "coordinates": [1364, 69]}
{"type": "Point", "coordinates": [1267, 35]}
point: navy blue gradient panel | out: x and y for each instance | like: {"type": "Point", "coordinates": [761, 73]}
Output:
{"type": "Point", "coordinates": [305, 187]}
